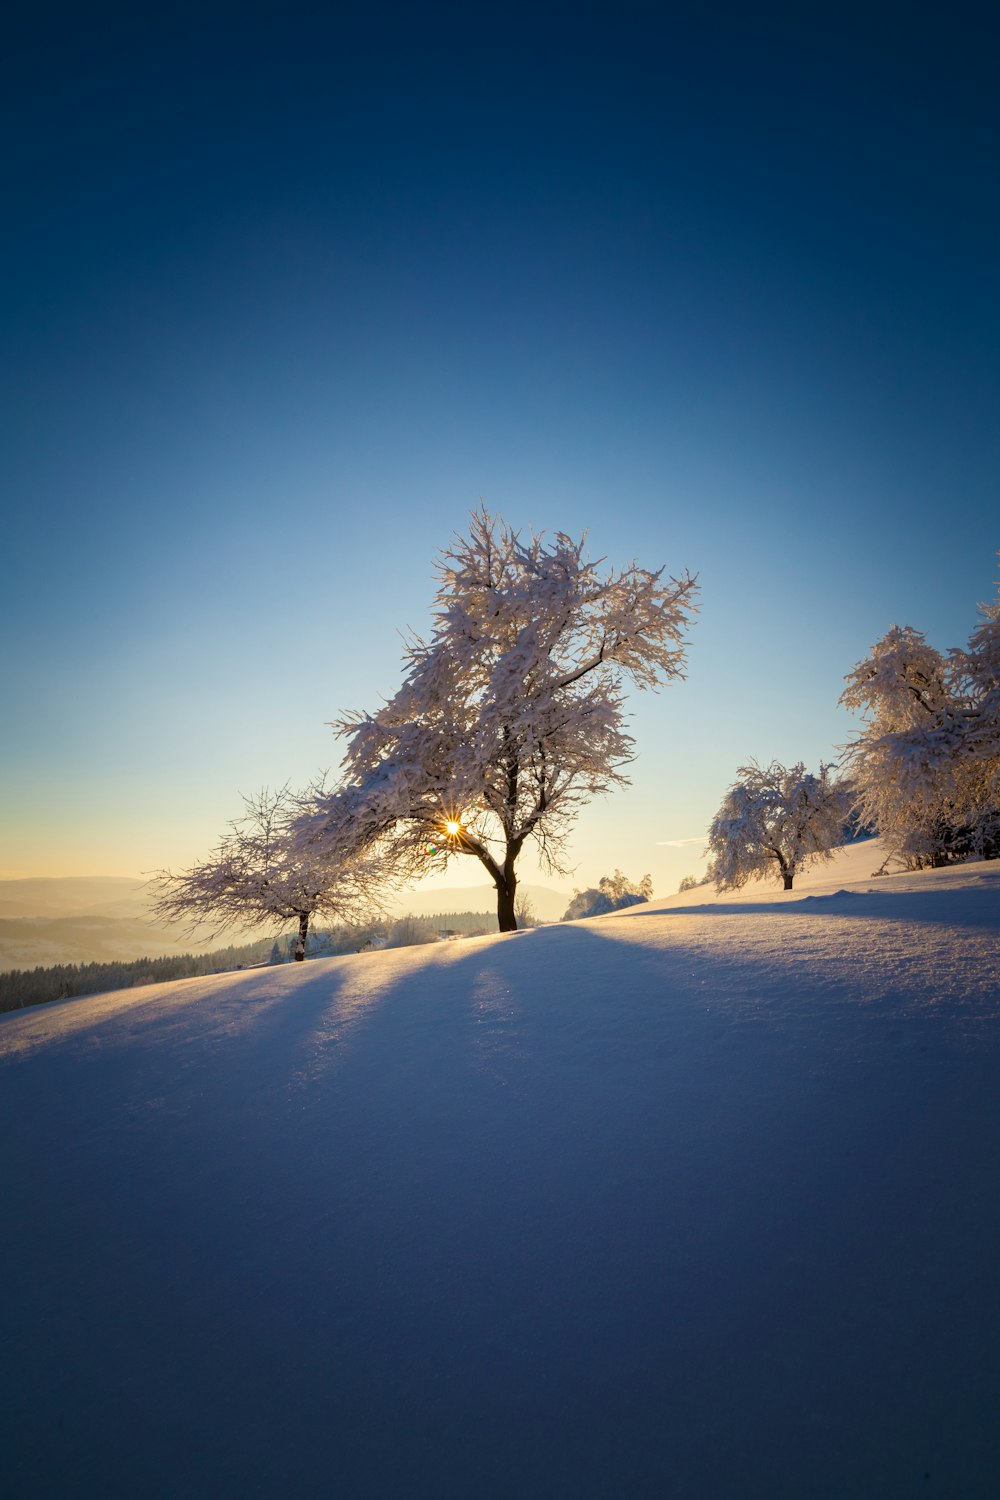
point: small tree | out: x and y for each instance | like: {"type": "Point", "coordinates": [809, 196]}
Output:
{"type": "Point", "coordinates": [258, 874]}
{"type": "Point", "coordinates": [774, 819]}
{"type": "Point", "coordinates": [511, 716]}
{"type": "Point", "coordinates": [524, 911]}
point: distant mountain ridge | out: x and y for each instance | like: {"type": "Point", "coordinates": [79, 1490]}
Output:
{"type": "Point", "coordinates": [76, 919]}
{"type": "Point", "coordinates": [547, 904]}
{"type": "Point", "coordinates": [73, 895]}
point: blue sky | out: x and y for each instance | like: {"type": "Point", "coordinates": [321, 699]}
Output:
{"type": "Point", "coordinates": [287, 292]}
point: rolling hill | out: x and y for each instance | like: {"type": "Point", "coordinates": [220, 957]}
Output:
{"type": "Point", "coordinates": [698, 1199]}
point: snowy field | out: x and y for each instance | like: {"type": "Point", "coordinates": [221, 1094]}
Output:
{"type": "Point", "coordinates": [699, 1199]}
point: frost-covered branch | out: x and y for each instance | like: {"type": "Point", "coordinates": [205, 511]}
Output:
{"type": "Point", "coordinates": [261, 874]}
{"type": "Point", "coordinates": [511, 715]}
{"type": "Point", "coordinates": [926, 766]}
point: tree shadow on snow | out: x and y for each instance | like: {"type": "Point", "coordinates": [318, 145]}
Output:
{"type": "Point", "coordinates": [978, 906]}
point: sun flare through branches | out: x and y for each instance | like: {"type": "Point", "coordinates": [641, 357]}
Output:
{"type": "Point", "coordinates": [511, 716]}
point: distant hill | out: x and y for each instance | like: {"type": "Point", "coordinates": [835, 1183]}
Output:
{"type": "Point", "coordinates": [547, 904]}
{"type": "Point", "coordinates": [74, 896]}
{"type": "Point", "coordinates": [78, 919]}
{"type": "Point", "coordinates": [83, 919]}
{"type": "Point", "coordinates": [26, 942]}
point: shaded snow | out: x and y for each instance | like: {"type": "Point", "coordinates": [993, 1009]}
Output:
{"type": "Point", "coordinates": [695, 1199]}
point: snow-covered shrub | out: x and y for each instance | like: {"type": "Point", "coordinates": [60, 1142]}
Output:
{"type": "Point", "coordinates": [589, 903]}
{"type": "Point", "coordinates": [407, 932]}
{"type": "Point", "coordinates": [612, 893]}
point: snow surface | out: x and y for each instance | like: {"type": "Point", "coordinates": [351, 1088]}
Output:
{"type": "Point", "coordinates": [695, 1199]}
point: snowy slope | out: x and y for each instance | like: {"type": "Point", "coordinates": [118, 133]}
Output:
{"type": "Point", "coordinates": [699, 1199]}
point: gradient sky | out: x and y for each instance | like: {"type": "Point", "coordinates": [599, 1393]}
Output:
{"type": "Point", "coordinates": [285, 292]}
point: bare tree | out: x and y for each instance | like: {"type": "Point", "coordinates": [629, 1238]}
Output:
{"type": "Point", "coordinates": [258, 874]}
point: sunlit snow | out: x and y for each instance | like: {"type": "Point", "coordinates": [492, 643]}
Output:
{"type": "Point", "coordinates": [696, 1199]}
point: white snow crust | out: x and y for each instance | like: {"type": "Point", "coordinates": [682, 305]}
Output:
{"type": "Point", "coordinates": [695, 1199]}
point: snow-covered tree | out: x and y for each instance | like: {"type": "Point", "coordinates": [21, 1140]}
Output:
{"type": "Point", "coordinates": [902, 765]}
{"type": "Point", "coordinates": [773, 820]}
{"type": "Point", "coordinates": [612, 893]}
{"type": "Point", "coordinates": [511, 716]}
{"type": "Point", "coordinates": [976, 675]}
{"type": "Point", "coordinates": [260, 874]}
{"type": "Point", "coordinates": [926, 767]}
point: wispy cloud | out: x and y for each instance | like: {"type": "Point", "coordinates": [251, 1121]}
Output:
{"type": "Point", "coordinates": [702, 838]}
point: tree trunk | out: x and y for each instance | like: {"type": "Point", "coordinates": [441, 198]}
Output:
{"type": "Point", "coordinates": [300, 944]}
{"type": "Point", "coordinates": [788, 881]}
{"type": "Point", "coordinates": [506, 890]}
{"type": "Point", "coordinates": [503, 878]}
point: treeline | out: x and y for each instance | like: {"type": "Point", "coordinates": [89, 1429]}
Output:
{"type": "Point", "coordinates": [40, 986]}
{"type": "Point", "coordinates": [21, 987]}
{"type": "Point", "coordinates": [384, 932]}
{"type": "Point", "coordinates": [468, 923]}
